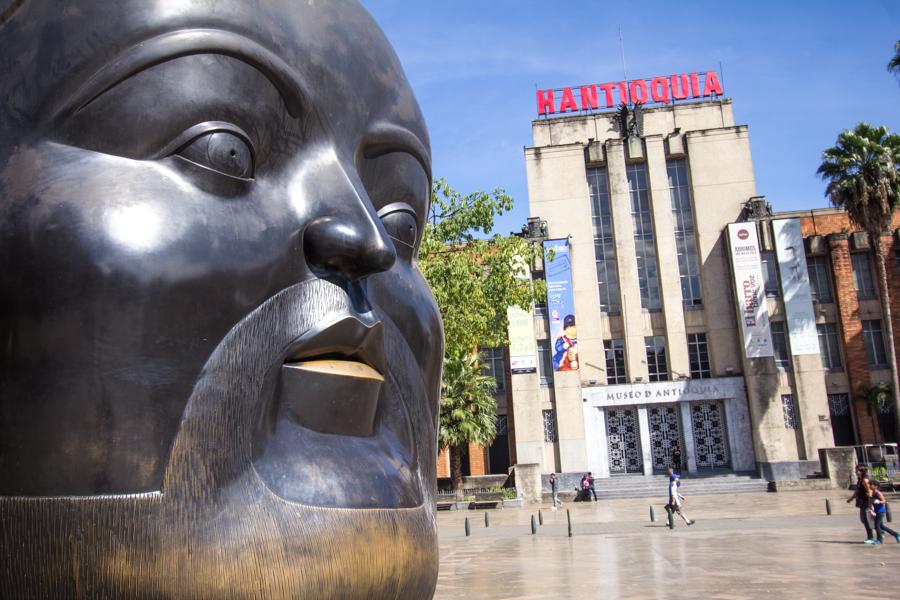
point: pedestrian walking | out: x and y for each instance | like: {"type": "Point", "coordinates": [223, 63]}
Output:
{"type": "Point", "coordinates": [591, 482]}
{"type": "Point", "coordinates": [862, 496]}
{"type": "Point", "coordinates": [879, 503]}
{"type": "Point", "coordinates": [554, 492]}
{"type": "Point", "coordinates": [675, 498]}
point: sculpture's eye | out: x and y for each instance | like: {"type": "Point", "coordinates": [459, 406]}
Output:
{"type": "Point", "coordinates": [221, 151]}
{"type": "Point", "coordinates": [400, 224]}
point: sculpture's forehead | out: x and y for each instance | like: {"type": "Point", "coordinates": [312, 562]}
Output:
{"type": "Point", "coordinates": [350, 71]}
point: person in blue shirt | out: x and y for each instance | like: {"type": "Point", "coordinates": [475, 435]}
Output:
{"type": "Point", "coordinates": [675, 498]}
{"type": "Point", "coordinates": [879, 503]}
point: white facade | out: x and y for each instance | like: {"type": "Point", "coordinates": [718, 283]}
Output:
{"type": "Point", "coordinates": [652, 284]}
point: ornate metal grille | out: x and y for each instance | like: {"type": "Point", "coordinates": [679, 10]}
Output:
{"type": "Point", "coordinates": [623, 440]}
{"type": "Point", "coordinates": [790, 411]}
{"type": "Point", "coordinates": [665, 435]}
{"type": "Point", "coordinates": [549, 426]}
{"type": "Point", "coordinates": [710, 444]}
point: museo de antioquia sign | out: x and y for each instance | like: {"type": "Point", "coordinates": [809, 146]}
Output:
{"type": "Point", "coordinates": [661, 90]}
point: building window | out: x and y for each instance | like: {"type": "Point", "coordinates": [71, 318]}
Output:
{"type": "Point", "coordinates": [545, 362]}
{"type": "Point", "coordinates": [501, 425]}
{"type": "Point", "coordinates": [604, 242]}
{"type": "Point", "coordinates": [493, 365]}
{"type": "Point", "coordinates": [779, 341]}
{"type": "Point", "coordinates": [645, 248]}
{"type": "Point", "coordinates": [790, 411]}
{"type": "Point", "coordinates": [897, 258]}
{"type": "Point", "coordinates": [657, 367]}
{"type": "Point", "coordinates": [770, 273]}
{"type": "Point", "coordinates": [819, 278]}
{"type": "Point", "coordinates": [874, 340]}
{"type": "Point", "coordinates": [862, 276]}
{"type": "Point", "coordinates": [685, 234]}
{"type": "Point", "coordinates": [615, 361]}
{"type": "Point", "coordinates": [829, 348]}
{"type": "Point", "coordinates": [549, 425]}
{"type": "Point", "coordinates": [698, 354]}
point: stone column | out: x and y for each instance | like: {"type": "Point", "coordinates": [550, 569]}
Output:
{"type": "Point", "coordinates": [667, 257]}
{"type": "Point", "coordinates": [646, 451]}
{"type": "Point", "coordinates": [690, 452]}
{"type": "Point", "coordinates": [626, 262]}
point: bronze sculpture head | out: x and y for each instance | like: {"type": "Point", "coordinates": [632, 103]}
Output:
{"type": "Point", "coordinates": [220, 364]}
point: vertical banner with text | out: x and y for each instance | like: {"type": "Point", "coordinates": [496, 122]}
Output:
{"type": "Point", "coordinates": [753, 313]}
{"type": "Point", "coordinates": [798, 306]}
{"type": "Point", "coordinates": [522, 347]}
{"type": "Point", "coordinates": [560, 305]}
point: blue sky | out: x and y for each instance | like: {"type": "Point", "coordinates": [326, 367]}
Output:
{"type": "Point", "coordinates": [798, 72]}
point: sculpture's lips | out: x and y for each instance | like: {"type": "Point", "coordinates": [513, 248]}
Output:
{"type": "Point", "coordinates": [331, 377]}
{"type": "Point", "coordinates": [337, 414]}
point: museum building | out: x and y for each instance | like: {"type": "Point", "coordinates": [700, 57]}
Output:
{"type": "Point", "coordinates": [700, 324]}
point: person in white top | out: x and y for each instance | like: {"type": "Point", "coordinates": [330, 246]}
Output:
{"type": "Point", "coordinates": [676, 498]}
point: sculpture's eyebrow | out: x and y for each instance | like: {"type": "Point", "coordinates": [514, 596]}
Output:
{"type": "Point", "coordinates": [382, 137]}
{"type": "Point", "coordinates": [176, 44]}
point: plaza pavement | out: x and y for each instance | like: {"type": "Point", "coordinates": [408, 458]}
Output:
{"type": "Point", "coordinates": [769, 545]}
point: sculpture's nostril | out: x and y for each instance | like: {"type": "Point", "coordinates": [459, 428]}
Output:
{"type": "Point", "coordinates": [355, 251]}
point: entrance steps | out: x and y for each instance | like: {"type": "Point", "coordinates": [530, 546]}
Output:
{"type": "Point", "coordinates": [640, 486]}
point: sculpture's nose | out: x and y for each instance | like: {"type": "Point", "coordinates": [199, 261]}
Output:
{"type": "Point", "coordinates": [348, 240]}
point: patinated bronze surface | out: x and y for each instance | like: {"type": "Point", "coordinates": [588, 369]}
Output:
{"type": "Point", "coordinates": [219, 363]}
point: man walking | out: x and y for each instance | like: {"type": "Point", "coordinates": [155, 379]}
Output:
{"type": "Point", "coordinates": [591, 482]}
{"type": "Point", "coordinates": [553, 491]}
{"type": "Point", "coordinates": [675, 498]}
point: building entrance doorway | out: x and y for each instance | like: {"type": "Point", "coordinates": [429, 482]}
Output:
{"type": "Point", "coordinates": [665, 436]}
{"type": "Point", "coordinates": [841, 421]}
{"type": "Point", "coordinates": [710, 441]}
{"type": "Point", "coordinates": [623, 441]}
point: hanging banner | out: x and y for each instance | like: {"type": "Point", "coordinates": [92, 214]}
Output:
{"type": "Point", "coordinates": [753, 313]}
{"type": "Point", "coordinates": [798, 306]}
{"type": "Point", "coordinates": [522, 347]}
{"type": "Point", "coordinates": [560, 305]}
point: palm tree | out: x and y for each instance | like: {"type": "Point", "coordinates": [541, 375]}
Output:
{"type": "Point", "coordinates": [875, 396]}
{"type": "Point", "coordinates": [861, 171]}
{"type": "Point", "coordinates": [468, 408]}
{"type": "Point", "coordinates": [894, 65]}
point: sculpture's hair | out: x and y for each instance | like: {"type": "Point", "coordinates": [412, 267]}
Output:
{"type": "Point", "coordinates": [10, 11]}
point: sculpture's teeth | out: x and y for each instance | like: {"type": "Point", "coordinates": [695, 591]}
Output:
{"type": "Point", "coordinates": [347, 368]}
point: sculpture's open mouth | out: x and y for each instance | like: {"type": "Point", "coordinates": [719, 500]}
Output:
{"type": "Point", "coordinates": [337, 414]}
{"type": "Point", "coordinates": [331, 379]}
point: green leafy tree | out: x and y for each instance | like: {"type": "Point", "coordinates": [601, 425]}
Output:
{"type": "Point", "coordinates": [894, 65]}
{"type": "Point", "coordinates": [475, 275]}
{"type": "Point", "coordinates": [863, 179]}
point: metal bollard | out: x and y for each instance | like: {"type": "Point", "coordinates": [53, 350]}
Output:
{"type": "Point", "coordinates": [533, 525]}
{"type": "Point", "coordinates": [827, 506]}
{"type": "Point", "coordinates": [468, 532]}
{"type": "Point", "coordinates": [487, 520]}
{"type": "Point", "coordinates": [888, 515]}
{"type": "Point", "coordinates": [569, 519]}
{"type": "Point", "coordinates": [671, 518]}
{"type": "Point", "coordinates": [541, 517]}
{"type": "Point", "coordinates": [652, 515]}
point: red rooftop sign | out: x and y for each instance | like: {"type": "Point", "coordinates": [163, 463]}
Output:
{"type": "Point", "coordinates": [638, 91]}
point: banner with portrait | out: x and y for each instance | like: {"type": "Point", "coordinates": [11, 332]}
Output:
{"type": "Point", "coordinates": [560, 305]}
